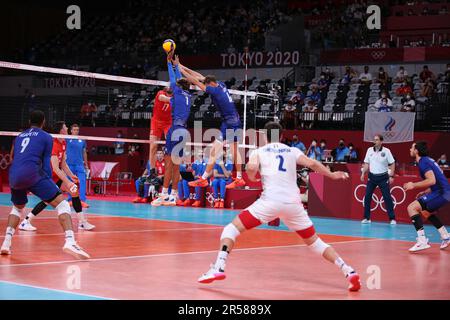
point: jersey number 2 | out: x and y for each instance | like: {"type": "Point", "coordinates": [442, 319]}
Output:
{"type": "Point", "coordinates": [280, 166]}
{"type": "Point", "coordinates": [24, 144]}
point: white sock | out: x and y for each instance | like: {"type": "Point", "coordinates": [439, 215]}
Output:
{"type": "Point", "coordinates": [346, 269]}
{"type": "Point", "coordinates": [70, 236]}
{"type": "Point", "coordinates": [30, 216]}
{"type": "Point", "coordinates": [443, 232]}
{"type": "Point", "coordinates": [221, 260]}
{"type": "Point", "coordinates": [174, 193]}
{"type": "Point", "coordinates": [205, 175]}
{"type": "Point", "coordinates": [81, 217]}
{"type": "Point", "coordinates": [238, 175]}
{"type": "Point", "coordinates": [421, 234]}
{"type": "Point", "coordinates": [165, 190]}
{"type": "Point", "coordinates": [9, 232]}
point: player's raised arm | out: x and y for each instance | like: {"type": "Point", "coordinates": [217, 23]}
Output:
{"type": "Point", "coordinates": [320, 168]}
{"type": "Point", "coordinates": [193, 73]}
{"type": "Point", "coordinates": [190, 77]}
{"type": "Point", "coordinates": [252, 166]}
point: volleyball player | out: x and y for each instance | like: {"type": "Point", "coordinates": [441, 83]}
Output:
{"type": "Point", "coordinates": [61, 172]}
{"type": "Point", "coordinates": [31, 171]}
{"type": "Point", "coordinates": [436, 195]}
{"type": "Point", "coordinates": [231, 127]}
{"type": "Point", "coordinates": [277, 164]}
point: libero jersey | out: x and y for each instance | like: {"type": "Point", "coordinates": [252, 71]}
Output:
{"type": "Point", "coordinates": [31, 161]}
{"type": "Point", "coordinates": [442, 186]}
{"type": "Point", "coordinates": [159, 109]}
{"type": "Point", "coordinates": [278, 169]}
{"type": "Point", "coordinates": [224, 103]}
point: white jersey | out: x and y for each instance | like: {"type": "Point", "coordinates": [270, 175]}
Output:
{"type": "Point", "coordinates": [278, 169]}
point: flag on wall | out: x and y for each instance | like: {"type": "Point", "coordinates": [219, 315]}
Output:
{"type": "Point", "coordinates": [395, 127]}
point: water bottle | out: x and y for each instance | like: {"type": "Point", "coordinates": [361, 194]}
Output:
{"type": "Point", "coordinates": [232, 204]}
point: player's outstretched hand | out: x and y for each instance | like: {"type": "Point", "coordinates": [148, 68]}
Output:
{"type": "Point", "coordinates": [176, 61]}
{"type": "Point", "coordinates": [340, 175]}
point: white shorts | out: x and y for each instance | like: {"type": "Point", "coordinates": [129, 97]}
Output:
{"type": "Point", "coordinates": [293, 215]}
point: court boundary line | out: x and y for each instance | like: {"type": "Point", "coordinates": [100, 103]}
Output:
{"type": "Point", "coordinates": [49, 289]}
{"type": "Point", "coordinates": [173, 254]}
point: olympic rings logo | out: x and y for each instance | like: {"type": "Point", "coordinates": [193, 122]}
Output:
{"type": "Point", "coordinates": [5, 161]}
{"type": "Point", "coordinates": [380, 201]}
{"type": "Point", "coordinates": [389, 134]}
{"type": "Point", "coordinates": [209, 196]}
{"type": "Point", "coordinates": [377, 55]}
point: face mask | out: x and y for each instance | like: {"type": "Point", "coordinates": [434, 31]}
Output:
{"type": "Point", "coordinates": [323, 145]}
{"type": "Point", "coordinates": [341, 144]}
{"type": "Point", "coordinates": [322, 77]}
{"type": "Point", "coordinates": [383, 96]}
{"type": "Point", "coordinates": [381, 72]}
{"type": "Point", "coordinates": [408, 97]}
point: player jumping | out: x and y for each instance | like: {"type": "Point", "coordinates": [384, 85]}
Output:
{"type": "Point", "coordinates": [231, 125]}
{"type": "Point", "coordinates": [436, 195]}
{"type": "Point", "coordinates": [177, 134]}
{"type": "Point", "coordinates": [160, 123]}
{"type": "Point", "coordinates": [277, 164]}
{"type": "Point", "coordinates": [30, 171]}
{"type": "Point", "coordinates": [60, 172]}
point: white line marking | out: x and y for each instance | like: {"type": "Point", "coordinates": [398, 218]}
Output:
{"type": "Point", "coordinates": [172, 254]}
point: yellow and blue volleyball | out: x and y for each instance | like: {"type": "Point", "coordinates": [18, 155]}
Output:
{"type": "Point", "coordinates": [168, 45]}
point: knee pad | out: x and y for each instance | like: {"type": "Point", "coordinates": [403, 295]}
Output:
{"type": "Point", "coordinates": [319, 246]}
{"type": "Point", "coordinates": [230, 232]}
{"type": "Point", "coordinates": [16, 212]}
{"type": "Point", "coordinates": [63, 207]}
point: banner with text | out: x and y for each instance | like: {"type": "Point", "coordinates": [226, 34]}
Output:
{"type": "Point", "coordinates": [395, 127]}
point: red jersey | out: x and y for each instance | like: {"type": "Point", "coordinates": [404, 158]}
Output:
{"type": "Point", "coordinates": [162, 111]}
{"type": "Point", "coordinates": [59, 148]}
{"type": "Point", "coordinates": [160, 167]}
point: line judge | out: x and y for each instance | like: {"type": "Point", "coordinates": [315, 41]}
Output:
{"type": "Point", "coordinates": [381, 166]}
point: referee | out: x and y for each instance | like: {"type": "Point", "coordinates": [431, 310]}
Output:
{"type": "Point", "coordinates": [381, 166]}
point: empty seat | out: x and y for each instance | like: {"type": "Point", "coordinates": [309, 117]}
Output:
{"type": "Point", "coordinates": [350, 107]}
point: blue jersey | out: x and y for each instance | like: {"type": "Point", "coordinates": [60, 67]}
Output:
{"type": "Point", "coordinates": [224, 103]}
{"type": "Point", "coordinates": [228, 166]}
{"type": "Point", "coordinates": [442, 186]}
{"type": "Point", "coordinates": [199, 167]}
{"type": "Point", "coordinates": [181, 99]}
{"type": "Point", "coordinates": [31, 162]}
{"type": "Point", "coordinates": [74, 152]}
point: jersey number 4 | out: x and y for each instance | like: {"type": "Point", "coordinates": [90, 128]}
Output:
{"type": "Point", "coordinates": [24, 144]}
{"type": "Point", "coordinates": [280, 166]}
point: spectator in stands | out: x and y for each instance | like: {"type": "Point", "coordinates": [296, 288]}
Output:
{"type": "Point", "coordinates": [427, 88]}
{"type": "Point", "coordinates": [443, 161]}
{"type": "Point", "coordinates": [329, 75]}
{"type": "Point", "coordinates": [409, 104]}
{"type": "Point", "coordinates": [298, 98]}
{"type": "Point", "coordinates": [87, 113]}
{"type": "Point", "coordinates": [323, 83]}
{"type": "Point", "coordinates": [365, 77]}
{"type": "Point", "coordinates": [133, 148]}
{"type": "Point", "coordinates": [348, 76]}
{"type": "Point", "coordinates": [426, 74]}
{"type": "Point", "coordinates": [443, 10]}
{"type": "Point", "coordinates": [352, 155]}
{"type": "Point", "coordinates": [379, 102]}
{"type": "Point", "coordinates": [198, 167]}
{"type": "Point", "coordinates": [323, 147]}
{"type": "Point", "coordinates": [404, 89]}
{"type": "Point", "coordinates": [297, 143]}
{"type": "Point", "coordinates": [402, 75]}
{"type": "Point", "coordinates": [119, 147]}
{"type": "Point", "coordinates": [383, 78]}
{"type": "Point", "coordinates": [311, 107]}
{"type": "Point", "coordinates": [384, 106]}
{"type": "Point", "coordinates": [315, 94]}
{"type": "Point", "coordinates": [341, 151]}
{"type": "Point", "coordinates": [314, 151]}
{"type": "Point", "coordinates": [289, 116]}
{"type": "Point", "coordinates": [222, 177]}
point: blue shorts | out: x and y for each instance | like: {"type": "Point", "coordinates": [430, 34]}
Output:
{"type": "Point", "coordinates": [234, 132]}
{"type": "Point", "coordinates": [432, 201]}
{"type": "Point", "coordinates": [45, 189]}
{"type": "Point", "coordinates": [176, 137]}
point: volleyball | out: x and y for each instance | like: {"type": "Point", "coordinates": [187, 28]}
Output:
{"type": "Point", "coordinates": [169, 45]}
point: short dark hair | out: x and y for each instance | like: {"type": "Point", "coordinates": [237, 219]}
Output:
{"type": "Point", "coordinates": [37, 118]}
{"type": "Point", "coordinates": [209, 79]}
{"type": "Point", "coordinates": [58, 126]}
{"type": "Point", "coordinates": [379, 136]}
{"type": "Point", "coordinates": [273, 130]}
{"type": "Point", "coordinates": [323, 140]}
{"type": "Point", "coordinates": [74, 125]}
{"type": "Point", "coordinates": [183, 83]}
{"type": "Point", "coordinates": [422, 147]}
